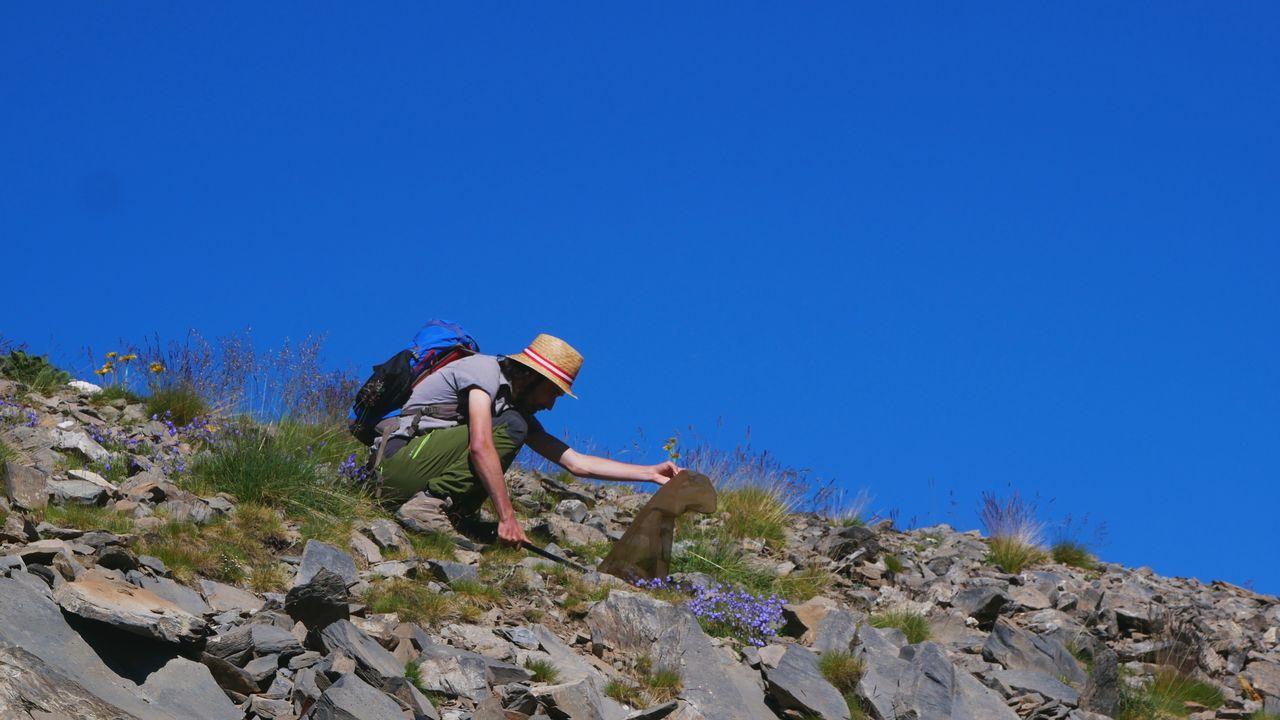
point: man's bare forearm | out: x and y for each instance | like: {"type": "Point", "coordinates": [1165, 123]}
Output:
{"type": "Point", "coordinates": [591, 466]}
{"type": "Point", "coordinates": [484, 459]}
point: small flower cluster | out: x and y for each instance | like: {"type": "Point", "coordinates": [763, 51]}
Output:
{"type": "Point", "coordinates": [351, 471]}
{"type": "Point", "coordinates": [724, 611]}
{"type": "Point", "coordinates": [16, 415]}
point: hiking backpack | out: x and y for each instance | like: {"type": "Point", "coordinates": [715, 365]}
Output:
{"type": "Point", "coordinates": [437, 344]}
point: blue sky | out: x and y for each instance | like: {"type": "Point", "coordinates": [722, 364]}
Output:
{"type": "Point", "coordinates": [925, 249]}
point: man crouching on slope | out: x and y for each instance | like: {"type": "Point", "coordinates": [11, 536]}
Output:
{"type": "Point", "coordinates": [464, 424]}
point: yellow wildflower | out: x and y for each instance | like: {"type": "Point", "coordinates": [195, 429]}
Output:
{"type": "Point", "coordinates": [100, 371]}
{"type": "Point", "coordinates": [112, 354]}
{"type": "Point", "coordinates": [127, 358]}
{"type": "Point", "coordinates": [157, 367]}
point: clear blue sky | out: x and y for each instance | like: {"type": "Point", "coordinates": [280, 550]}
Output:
{"type": "Point", "coordinates": [924, 249]}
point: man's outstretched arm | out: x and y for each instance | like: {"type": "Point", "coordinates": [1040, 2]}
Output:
{"type": "Point", "coordinates": [485, 462]}
{"type": "Point", "coordinates": [599, 468]}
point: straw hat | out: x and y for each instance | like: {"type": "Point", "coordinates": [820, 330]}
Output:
{"type": "Point", "coordinates": [554, 358]}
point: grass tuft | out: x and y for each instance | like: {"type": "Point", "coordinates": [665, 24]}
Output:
{"type": "Point", "coordinates": [914, 626]}
{"type": "Point", "coordinates": [543, 671]}
{"type": "Point", "coordinates": [1166, 696]}
{"type": "Point", "coordinates": [893, 563]}
{"type": "Point", "coordinates": [755, 512]}
{"type": "Point", "coordinates": [6, 453]}
{"type": "Point", "coordinates": [1012, 555]}
{"type": "Point", "coordinates": [803, 584]}
{"type": "Point", "coordinates": [86, 517]}
{"type": "Point", "coordinates": [1074, 554]}
{"type": "Point", "coordinates": [181, 402]}
{"type": "Point", "coordinates": [412, 601]}
{"type": "Point", "coordinates": [33, 371]}
{"type": "Point", "coordinates": [111, 393]}
{"type": "Point", "coordinates": [841, 669]}
{"type": "Point", "coordinates": [254, 464]}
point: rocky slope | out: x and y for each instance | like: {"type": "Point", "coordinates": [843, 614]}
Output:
{"type": "Point", "coordinates": [91, 627]}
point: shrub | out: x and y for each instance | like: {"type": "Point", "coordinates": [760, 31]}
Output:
{"type": "Point", "coordinates": [33, 371]}
{"type": "Point", "coordinates": [1013, 555]}
{"type": "Point", "coordinates": [412, 601]}
{"type": "Point", "coordinates": [915, 627]}
{"type": "Point", "coordinates": [179, 403]}
{"type": "Point", "coordinates": [543, 671]}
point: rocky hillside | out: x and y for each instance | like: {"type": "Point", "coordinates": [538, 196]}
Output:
{"type": "Point", "coordinates": [154, 568]}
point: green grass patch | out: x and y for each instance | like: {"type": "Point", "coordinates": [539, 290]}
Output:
{"type": "Point", "coordinates": [663, 684]}
{"type": "Point", "coordinates": [1074, 554]}
{"type": "Point", "coordinates": [7, 453]}
{"type": "Point", "coordinates": [111, 393]}
{"type": "Point", "coordinates": [843, 671]}
{"type": "Point", "coordinates": [481, 593]}
{"type": "Point", "coordinates": [1012, 555]}
{"type": "Point", "coordinates": [237, 551]}
{"type": "Point", "coordinates": [723, 560]}
{"type": "Point", "coordinates": [253, 464]}
{"type": "Point", "coordinates": [624, 692]}
{"type": "Point", "coordinates": [432, 546]}
{"type": "Point", "coordinates": [85, 517]}
{"type": "Point", "coordinates": [893, 563]}
{"type": "Point", "coordinates": [182, 403]}
{"type": "Point", "coordinates": [1166, 696]}
{"type": "Point", "coordinates": [755, 512]}
{"type": "Point", "coordinates": [803, 584]}
{"type": "Point", "coordinates": [915, 627]}
{"type": "Point", "coordinates": [542, 670]}
{"type": "Point", "coordinates": [412, 601]}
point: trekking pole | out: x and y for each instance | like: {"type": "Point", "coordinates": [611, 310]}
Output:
{"type": "Point", "coordinates": [553, 557]}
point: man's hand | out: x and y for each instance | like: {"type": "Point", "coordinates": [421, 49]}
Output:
{"type": "Point", "coordinates": [662, 472]}
{"type": "Point", "coordinates": [510, 533]}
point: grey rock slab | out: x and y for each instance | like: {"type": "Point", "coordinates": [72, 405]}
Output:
{"type": "Point", "coordinates": [388, 535]}
{"type": "Point", "coordinates": [716, 685]}
{"type": "Point", "coordinates": [30, 620]}
{"type": "Point", "coordinates": [982, 604]}
{"type": "Point", "coordinates": [454, 672]}
{"type": "Point", "coordinates": [1102, 689]}
{"type": "Point", "coordinates": [317, 555]}
{"type": "Point", "coordinates": [223, 598]}
{"type": "Point", "coordinates": [522, 637]}
{"type": "Point", "coordinates": [80, 444]}
{"type": "Point", "coordinates": [835, 631]}
{"type": "Point", "coordinates": [350, 698]}
{"type": "Point", "coordinates": [1019, 649]}
{"type": "Point", "coordinates": [450, 572]}
{"type": "Point", "coordinates": [176, 593]}
{"type": "Point", "coordinates": [657, 712]}
{"type": "Point", "coordinates": [25, 486]}
{"type": "Point", "coordinates": [187, 689]}
{"type": "Point", "coordinates": [76, 492]}
{"type": "Point", "coordinates": [931, 688]}
{"type": "Point", "coordinates": [322, 600]}
{"type": "Point", "coordinates": [797, 684]}
{"type": "Point", "coordinates": [261, 670]}
{"type": "Point", "coordinates": [1264, 676]}
{"type": "Point", "coordinates": [1025, 681]}
{"type": "Point", "coordinates": [102, 598]}
{"type": "Point", "coordinates": [374, 663]}
{"type": "Point", "coordinates": [578, 700]}
{"type": "Point", "coordinates": [571, 665]}
{"type": "Point", "coordinates": [30, 688]}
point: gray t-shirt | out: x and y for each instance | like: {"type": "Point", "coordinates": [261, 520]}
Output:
{"type": "Point", "coordinates": [449, 386]}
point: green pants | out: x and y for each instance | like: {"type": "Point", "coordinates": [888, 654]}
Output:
{"type": "Point", "coordinates": [440, 464]}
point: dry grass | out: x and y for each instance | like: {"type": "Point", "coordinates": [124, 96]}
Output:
{"type": "Point", "coordinates": [1012, 555]}
{"type": "Point", "coordinates": [237, 551]}
{"type": "Point", "coordinates": [412, 601]}
{"type": "Point", "coordinates": [86, 517]}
